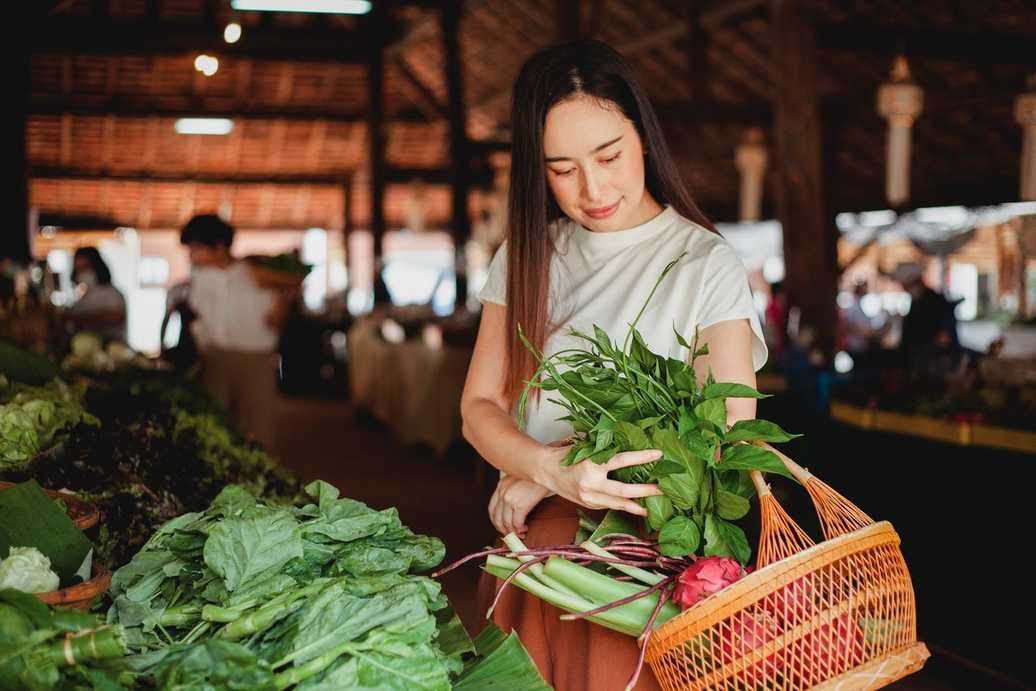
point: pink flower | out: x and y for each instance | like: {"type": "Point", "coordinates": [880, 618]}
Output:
{"type": "Point", "coordinates": [705, 577]}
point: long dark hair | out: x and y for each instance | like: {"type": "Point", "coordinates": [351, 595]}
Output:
{"type": "Point", "coordinates": [550, 76]}
{"type": "Point", "coordinates": [93, 257]}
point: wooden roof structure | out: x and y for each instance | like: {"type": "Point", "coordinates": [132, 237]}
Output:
{"type": "Point", "coordinates": [335, 116]}
{"type": "Point", "coordinates": [109, 77]}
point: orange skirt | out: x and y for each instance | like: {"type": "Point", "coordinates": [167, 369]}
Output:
{"type": "Point", "coordinates": [571, 655]}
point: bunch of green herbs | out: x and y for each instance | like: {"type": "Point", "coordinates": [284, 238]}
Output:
{"type": "Point", "coordinates": [629, 399]}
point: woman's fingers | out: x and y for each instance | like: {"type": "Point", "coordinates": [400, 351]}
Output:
{"type": "Point", "coordinates": [629, 491]}
{"type": "Point", "coordinates": [609, 501]}
{"type": "Point", "coordinates": [628, 458]}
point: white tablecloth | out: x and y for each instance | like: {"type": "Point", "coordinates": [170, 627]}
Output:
{"type": "Point", "coordinates": [412, 388]}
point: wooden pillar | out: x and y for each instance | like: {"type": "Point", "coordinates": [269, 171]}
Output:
{"type": "Point", "coordinates": [451, 12]}
{"type": "Point", "coordinates": [376, 133]}
{"type": "Point", "coordinates": [809, 233]}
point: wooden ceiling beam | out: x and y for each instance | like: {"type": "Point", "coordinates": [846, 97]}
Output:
{"type": "Point", "coordinates": [215, 108]}
{"type": "Point", "coordinates": [393, 175]}
{"type": "Point", "coordinates": [978, 47]}
{"type": "Point", "coordinates": [62, 35]}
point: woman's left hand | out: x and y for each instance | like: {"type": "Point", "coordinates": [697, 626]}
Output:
{"type": "Point", "coordinates": [511, 503]}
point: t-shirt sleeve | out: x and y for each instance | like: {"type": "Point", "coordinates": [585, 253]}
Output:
{"type": "Point", "coordinates": [495, 288]}
{"type": "Point", "coordinates": [726, 296]}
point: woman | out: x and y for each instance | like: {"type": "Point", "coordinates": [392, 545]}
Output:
{"type": "Point", "coordinates": [101, 307]}
{"type": "Point", "coordinates": [596, 211]}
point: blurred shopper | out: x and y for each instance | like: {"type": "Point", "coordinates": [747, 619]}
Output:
{"type": "Point", "coordinates": [236, 327]}
{"type": "Point", "coordinates": [100, 307]}
{"type": "Point", "coordinates": [929, 344]}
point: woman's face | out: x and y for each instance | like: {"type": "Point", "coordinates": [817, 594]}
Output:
{"type": "Point", "coordinates": [595, 166]}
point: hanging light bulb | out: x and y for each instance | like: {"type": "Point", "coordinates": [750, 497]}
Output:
{"type": "Point", "coordinates": [206, 64]}
{"type": "Point", "coordinates": [900, 102]}
{"type": "Point", "coordinates": [1025, 114]}
{"type": "Point", "coordinates": [751, 158]}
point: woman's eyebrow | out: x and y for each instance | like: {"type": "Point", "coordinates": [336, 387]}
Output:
{"type": "Point", "coordinates": [555, 159]}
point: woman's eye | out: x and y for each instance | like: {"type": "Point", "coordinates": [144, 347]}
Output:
{"type": "Point", "coordinates": [612, 159]}
{"type": "Point", "coordinates": [564, 173]}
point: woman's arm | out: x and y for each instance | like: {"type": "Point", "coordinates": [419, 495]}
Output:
{"type": "Point", "coordinates": [490, 428]}
{"type": "Point", "coordinates": [730, 359]}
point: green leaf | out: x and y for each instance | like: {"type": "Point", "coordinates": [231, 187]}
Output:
{"type": "Point", "coordinates": [666, 467]}
{"type": "Point", "coordinates": [731, 390]}
{"type": "Point", "coordinates": [604, 455]}
{"type": "Point", "coordinates": [686, 423]}
{"type": "Point", "coordinates": [603, 342]}
{"type": "Point", "coordinates": [682, 490]}
{"type": "Point", "coordinates": [673, 449]}
{"type": "Point", "coordinates": [680, 339]}
{"type": "Point", "coordinates": [737, 482]}
{"type": "Point", "coordinates": [660, 510]}
{"type": "Point", "coordinates": [713, 411]}
{"type": "Point", "coordinates": [679, 537]}
{"type": "Point", "coordinates": [239, 548]}
{"type": "Point", "coordinates": [507, 667]}
{"type": "Point", "coordinates": [757, 430]}
{"type": "Point", "coordinates": [631, 437]}
{"type": "Point", "coordinates": [730, 506]}
{"type": "Point", "coordinates": [705, 495]}
{"type": "Point", "coordinates": [641, 353]}
{"type": "Point", "coordinates": [605, 437]}
{"type": "Point", "coordinates": [644, 423]}
{"type": "Point", "coordinates": [724, 539]}
{"type": "Point", "coordinates": [748, 457]}
{"type": "Point", "coordinates": [214, 664]}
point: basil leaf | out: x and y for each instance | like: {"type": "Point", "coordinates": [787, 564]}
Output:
{"type": "Point", "coordinates": [681, 489]}
{"type": "Point", "coordinates": [724, 539]}
{"type": "Point", "coordinates": [714, 411]}
{"type": "Point", "coordinates": [757, 430]}
{"type": "Point", "coordinates": [666, 467]}
{"type": "Point", "coordinates": [730, 506]}
{"type": "Point", "coordinates": [737, 482]}
{"type": "Point", "coordinates": [660, 510]}
{"type": "Point", "coordinates": [731, 390]}
{"type": "Point", "coordinates": [631, 437]}
{"type": "Point", "coordinates": [667, 441]}
{"type": "Point", "coordinates": [679, 537]}
{"type": "Point", "coordinates": [748, 457]}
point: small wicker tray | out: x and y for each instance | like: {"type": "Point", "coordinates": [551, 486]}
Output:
{"type": "Point", "coordinates": [83, 514]}
{"type": "Point", "coordinates": [81, 595]}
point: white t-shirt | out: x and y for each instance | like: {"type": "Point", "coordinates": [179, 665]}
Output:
{"type": "Point", "coordinates": [102, 298]}
{"type": "Point", "coordinates": [603, 279]}
{"type": "Point", "coordinates": [231, 309]}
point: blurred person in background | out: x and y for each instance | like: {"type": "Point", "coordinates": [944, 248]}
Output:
{"type": "Point", "coordinates": [236, 327]}
{"type": "Point", "coordinates": [929, 345]}
{"type": "Point", "coordinates": [100, 307]}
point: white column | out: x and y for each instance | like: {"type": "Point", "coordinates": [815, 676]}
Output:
{"type": "Point", "coordinates": [751, 158]}
{"type": "Point", "coordinates": [899, 102]}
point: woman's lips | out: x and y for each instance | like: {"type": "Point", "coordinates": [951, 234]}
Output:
{"type": "Point", "coordinates": [603, 212]}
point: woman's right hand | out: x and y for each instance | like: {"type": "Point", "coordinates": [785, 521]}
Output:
{"type": "Point", "coordinates": [587, 483]}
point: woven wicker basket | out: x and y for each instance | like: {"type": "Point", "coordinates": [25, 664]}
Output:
{"type": "Point", "coordinates": [835, 615]}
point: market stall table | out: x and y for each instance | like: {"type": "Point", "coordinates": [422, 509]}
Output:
{"type": "Point", "coordinates": [413, 388]}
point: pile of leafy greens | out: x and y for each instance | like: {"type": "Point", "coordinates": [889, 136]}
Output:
{"type": "Point", "coordinates": [32, 416]}
{"type": "Point", "coordinates": [163, 448]}
{"type": "Point", "coordinates": [324, 596]}
{"type": "Point", "coordinates": [44, 649]}
{"type": "Point", "coordinates": [628, 399]}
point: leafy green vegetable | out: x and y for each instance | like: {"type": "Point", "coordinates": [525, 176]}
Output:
{"type": "Point", "coordinates": [630, 398]}
{"type": "Point", "coordinates": [44, 649]}
{"type": "Point", "coordinates": [27, 570]}
{"type": "Point", "coordinates": [31, 417]}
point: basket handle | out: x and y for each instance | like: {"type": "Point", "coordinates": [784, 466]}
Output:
{"type": "Point", "coordinates": [838, 515]}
